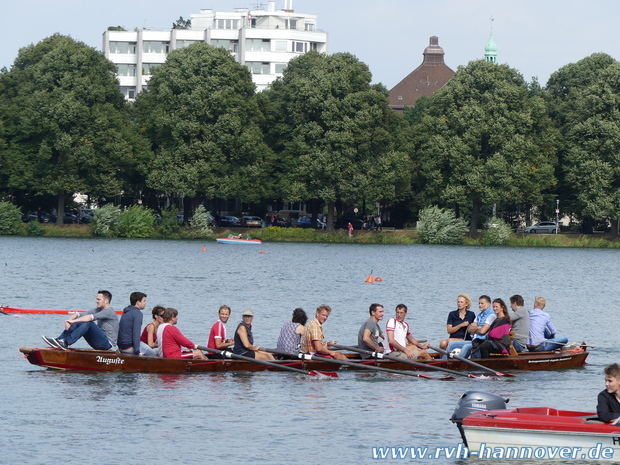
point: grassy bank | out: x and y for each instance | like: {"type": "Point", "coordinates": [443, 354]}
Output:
{"type": "Point", "coordinates": [400, 236]}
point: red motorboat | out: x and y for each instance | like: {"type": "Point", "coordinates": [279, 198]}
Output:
{"type": "Point", "coordinates": [490, 430]}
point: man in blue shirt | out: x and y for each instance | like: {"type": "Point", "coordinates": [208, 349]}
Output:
{"type": "Point", "coordinates": [542, 331]}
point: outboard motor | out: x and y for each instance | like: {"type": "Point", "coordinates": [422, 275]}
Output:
{"type": "Point", "coordinates": [473, 402]}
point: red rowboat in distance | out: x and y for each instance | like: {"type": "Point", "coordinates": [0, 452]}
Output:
{"type": "Point", "coordinates": [34, 311]}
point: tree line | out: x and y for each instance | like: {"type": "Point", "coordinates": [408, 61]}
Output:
{"type": "Point", "coordinates": [321, 134]}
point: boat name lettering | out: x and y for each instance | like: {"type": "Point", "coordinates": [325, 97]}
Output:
{"type": "Point", "coordinates": [108, 360]}
{"type": "Point", "coordinates": [550, 360]}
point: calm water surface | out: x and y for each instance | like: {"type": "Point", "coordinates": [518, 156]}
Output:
{"type": "Point", "coordinates": [278, 418]}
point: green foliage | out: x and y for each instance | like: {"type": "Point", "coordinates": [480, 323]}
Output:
{"type": "Point", "coordinates": [440, 226]}
{"type": "Point", "coordinates": [168, 222]}
{"type": "Point", "coordinates": [105, 221]}
{"type": "Point", "coordinates": [116, 28]}
{"type": "Point", "coordinates": [10, 218]}
{"type": "Point", "coordinates": [33, 228]}
{"type": "Point", "coordinates": [202, 116]}
{"type": "Point", "coordinates": [136, 221]}
{"type": "Point", "coordinates": [485, 138]}
{"type": "Point", "coordinates": [182, 23]}
{"type": "Point", "coordinates": [497, 233]}
{"type": "Point", "coordinates": [200, 223]}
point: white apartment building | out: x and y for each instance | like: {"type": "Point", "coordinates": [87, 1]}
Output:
{"type": "Point", "coordinates": [262, 40]}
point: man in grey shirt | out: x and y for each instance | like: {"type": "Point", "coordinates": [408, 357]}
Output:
{"type": "Point", "coordinates": [520, 323]}
{"type": "Point", "coordinates": [370, 332]}
{"type": "Point", "coordinates": [98, 326]}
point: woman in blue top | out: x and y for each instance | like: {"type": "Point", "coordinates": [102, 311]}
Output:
{"type": "Point", "coordinates": [458, 321]}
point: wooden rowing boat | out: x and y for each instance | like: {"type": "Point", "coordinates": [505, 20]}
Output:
{"type": "Point", "coordinates": [94, 360]}
{"type": "Point", "coordinates": [532, 432]}
{"type": "Point", "coordinates": [236, 240]}
{"type": "Point", "coordinates": [43, 311]}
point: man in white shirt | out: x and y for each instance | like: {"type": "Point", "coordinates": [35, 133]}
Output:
{"type": "Point", "coordinates": [401, 342]}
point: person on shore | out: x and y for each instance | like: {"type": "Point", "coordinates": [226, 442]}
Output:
{"type": "Point", "coordinates": [350, 229]}
{"type": "Point", "coordinates": [99, 326]}
{"type": "Point", "coordinates": [478, 329]}
{"type": "Point", "coordinates": [370, 331]}
{"type": "Point", "coordinates": [217, 335]}
{"type": "Point", "coordinates": [520, 319]}
{"type": "Point", "coordinates": [401, 342]}
{"type": "Point", "coordinates": [172, 341]}
{"type": "Point", "coordinates": [148, 340]}
{"type": "Point", "coordinates": [458, 321]}
{"type": "Point", "coordinates": [130, 325]}
{"type": "Point", "coordinates": [312, 340]}
{"type": "Point", "coordinates": [498, 336]}
{"type": "Point", "coordinates": [608, 401]}
{"type": "Point", "coordinates": [244, 339]}
{"type": "Point", "coordinates": [289, 340]}
{"type": "Point", "coordinates": [542, 331]}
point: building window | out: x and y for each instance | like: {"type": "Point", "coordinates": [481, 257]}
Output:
{"type": "Point", "coordinates": [310, 27]}
{"type": "Point", "coordinates": [300, 47]}
{"type": "Point", "coordinates": [185, 43]}
{"type": "Point", "coordinates": [151, 46]}
{"type": "Point", "coordinates": [291, 23]}
{"type": "Point", "coordinates": [281, 46]}
{"type": "Point", "coordinates": [128, 92]}
{"type": "Point", "coordinates": [280, 68]}
{"type": "Point", "coordinates": [127, 70]}
{"type": "Point", "coordinates": [148, 68]}
{"type": "Point", "coordinates": [128, 48]}
{"type": "Point", "coordinates": [230, 45]}
{"type": "Point", "coordinates": [227, 24]}
{"type": "Point", "coordinates": [257, 45]}
{"type": "Point", "coordinates": [256, 67]}
{"type": "Point", "coordinates": [314, 46]}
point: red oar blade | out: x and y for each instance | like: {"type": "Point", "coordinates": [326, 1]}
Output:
{"type": "Point", "coordinates": [444, 378]}
{"type": "Point", "coordinates": [329, 374]}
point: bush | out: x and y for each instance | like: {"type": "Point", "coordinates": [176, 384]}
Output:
{"type": "Point", "coordinates": [200, 223]}
{"type": "Point", "coordinates": [136, 221]}
{"type": "Point", "coordinates": [499, 235]}
{"type": "Point", "coordinates": [440, 226]}
{"type": "Point", "coordinates": [10, 218]}
{"type": "Point", "coordinates": [33, 228]}
{"type": "Point", "coordinates": [105, 221]}
{"type": "Point", "coordinates": [168, 222]}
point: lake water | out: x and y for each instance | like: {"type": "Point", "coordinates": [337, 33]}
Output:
{"type": "Point", "coordinates": [277, 418]}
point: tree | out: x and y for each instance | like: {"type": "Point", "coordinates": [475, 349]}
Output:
{"type": "Point", "coordinates": [585, 98]}
{"type": "Point", "coordinates": [333, 134]}
{"type": "Point", "coordinates": [182, 23]}
{"type": "Point", "coordinates": [66, 123]}
{"type": "Point", "coordinates": [201, 116]}
{"type": "Point", "coordinates": [485, 138]}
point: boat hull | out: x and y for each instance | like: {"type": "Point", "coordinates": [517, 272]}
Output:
{"type": "Point", "coordinates": [93, 360]}
{"type": "Point", "coordinates": [541, 433]}
{"type": "Point", "coordinates": [226, 240]}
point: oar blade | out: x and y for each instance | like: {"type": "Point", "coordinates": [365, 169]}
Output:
{"type": "Point", "coordinates": [323, 374]}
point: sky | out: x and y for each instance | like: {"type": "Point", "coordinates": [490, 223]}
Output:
{"type": "Point", "coordinates": [536, 37]}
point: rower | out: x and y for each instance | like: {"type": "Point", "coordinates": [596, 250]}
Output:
{"type": "Point", "coordinates": [130, 325]}
{"type": "Point", "coordinates": [312, 340]}
{"type": "Point", "coordinates": [244, 340]}
{"type": "Point", "coordinates": [217, 335]}
{"type": "Point", "coordinates": [542, 331]}
{"type": "Point", "coordinates": [401, 342]}
{"type": "Point", "coordinates": [370, 331]}
{"type": "Point", "coordinates": [290, 334]}
{"type": "Point", "coordinates": [171, 340]}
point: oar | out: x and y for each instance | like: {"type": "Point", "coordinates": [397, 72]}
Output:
{"type": "Point", "coordinates": [477, 365]}
{"type": "Point", "coordinates": [355, 364]}
{"type": "Point", "coordinates": [267, 363]}
{"type": "Point", "coordinates": [409, 362]}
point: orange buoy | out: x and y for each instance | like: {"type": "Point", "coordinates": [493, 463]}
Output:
{"type": "Point", "coordinates": [378, 280]}
{"type": "Point", "coordinates": [262, 251]}
{"type": "Point", "coordinates": [204, 249]}
{"type": "Point", "coordinates": [370, 279]}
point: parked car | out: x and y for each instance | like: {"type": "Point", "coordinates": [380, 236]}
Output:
{"type": "Point", "coordinates": [34, 216]}
{"type": "Point", "coordinates": [543, 227]}
{"type": "Point", "coordinates": [343, 223]}
{"type": "Point", "coordinates": [251, 222]}
{"type": "Point", "coordinates": [306, 222]}
{"type": "Point", "coordinates": [86, 215]}
{"type": "Point", "coordinates": [230, 221]}
{"type": "Point", "coordinates": [70, 218]}
{"type": "Point", "coordinates": [283, 221]}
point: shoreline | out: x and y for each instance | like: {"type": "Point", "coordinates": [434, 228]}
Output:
{"type": "Point", "coordinates": [388, 236]}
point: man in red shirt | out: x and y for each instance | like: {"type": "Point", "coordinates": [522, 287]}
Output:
{"type": "Point", "coordinates": [217, 336]}
{"type": "Point", "coordinates": [171, 340]}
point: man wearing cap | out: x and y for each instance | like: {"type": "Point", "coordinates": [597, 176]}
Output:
{"type": "Point", "coordinates": [312, 340]}
{"type": "Point", "coordinates": [244, 340]}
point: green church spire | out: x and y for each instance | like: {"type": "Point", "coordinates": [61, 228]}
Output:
{"type": "Point", "coordinates": [490, 51]}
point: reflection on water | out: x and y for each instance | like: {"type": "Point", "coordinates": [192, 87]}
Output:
{"type": "Point", "coordinates": [277, 417]}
